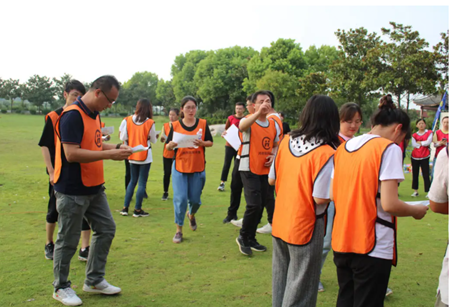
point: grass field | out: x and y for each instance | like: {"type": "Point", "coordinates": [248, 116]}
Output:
{"type": "Point", "coordinates": [205, 270]}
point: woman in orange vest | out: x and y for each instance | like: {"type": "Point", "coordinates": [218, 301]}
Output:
{"type": "Point", "coordinates": [364, 189]}
{"type": "Point", "coordinates": [420, 156]}
{"type": "Point", "coordinates": [188, 169]}
{"type": "Point", "coordinates": [301, 174]}
{"type": "Point", "coordinates": [350, 117]}
{"type": "Point", "coordinates": [167, 154]}
{"type": "Point", "coordinates": [138, 129]}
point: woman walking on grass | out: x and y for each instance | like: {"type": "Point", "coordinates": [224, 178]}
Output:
{"type": "Point", "coordinates": [168, 154]}
{"type": "Point", "coordinates": [188, 169]}
{"type": "Point", "coordinates": [138, 129]}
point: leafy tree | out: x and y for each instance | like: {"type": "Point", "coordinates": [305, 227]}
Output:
{"type": "Point", "coordinates": [441, 55]}
{"type": "Point", "coordinates": [40, 90]}
{"type": "Point", "coordinates": [9, 90]}
{"type": "Point", "coordinates": [320, 59]}
{"type": "Point", "coordinates": [165, 95]}
{"type": "Point", "coordinates": [141, 85]}
{"type": "Point", "coordinates": [60, 85]}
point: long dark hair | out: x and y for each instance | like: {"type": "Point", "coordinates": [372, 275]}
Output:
{"type": "Point", "coordinates": [388, 114]}
{"type": "Point", "coordinates": [319, 119]}
{"type": "Point", "coordinates": [144, 109]}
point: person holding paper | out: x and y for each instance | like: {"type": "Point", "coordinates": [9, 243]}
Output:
{"type": "Point", "coordinates": [230, 152]}
{"type": "Point", "coordinates": [138, 130]}
{"type": "Point", "coordinates": [168, 154]}
{"type": "Point", "coordinates": [364, 189]}
{"type": "Point", "coordinates": [188, 169]}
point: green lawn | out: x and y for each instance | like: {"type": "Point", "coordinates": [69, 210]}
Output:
{"type": "Point", "coordinates": [205, 270]}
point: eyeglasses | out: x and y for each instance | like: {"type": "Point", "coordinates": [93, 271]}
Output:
{"type": "Point", "coordinates": [190, 108]}
{"type": "Point", "coordinates": [111, 102]}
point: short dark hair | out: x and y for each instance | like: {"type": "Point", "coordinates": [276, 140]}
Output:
{"type": "Point", "coordinates": [256, 94]}
{"type": "Point", "coordinates": [348, 111]}
{"type": "Point", "coordinates": [240, 104]}
{"type": "Point", "coordinates": [74, 85]}
{"type": "Point", "coordinates": [388, 114]}
{"type": "Point", "coordinates": [176, 110]}
{"type": "Point", "coordinates": [249, 98]}
{"type": "Point", "coordinates": [282, 114]}
{"type": "Point", "coordinates": [272, 98]}
{"type": "Point", "coordinates": [319, 119]}
{"type": "Point", "coordinates": [421, 120]}
{"type": "Point", "coordinates": [105, 83]}
{"type": "Point", "coordinates": [186, 99]}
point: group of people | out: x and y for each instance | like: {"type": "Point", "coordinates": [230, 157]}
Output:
{"type": "Point", "coordinates": [356, 213]}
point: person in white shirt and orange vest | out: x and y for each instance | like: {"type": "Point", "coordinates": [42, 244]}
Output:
{"type": "Point", "coordinates": [259, 141]}
{"type": "Point", "coordinates": [420, 156]}
{"type": "Point", "coordinates": [364, 188]}
{"type": "Point", "coordinates": [301, 174]}
{"type": "Point", "coordinates": [80, 191]}
{"type": "Point", "coordinates": [188, 168]}
{"type": "Point", "coordinates": [138, 129]}
{"type": "Point", "coordinates": [168, 154]}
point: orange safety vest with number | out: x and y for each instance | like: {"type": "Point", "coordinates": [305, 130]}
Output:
{"type": "Point", "coordinates": [259, 147]}
{"type": "Point", "coordinates": [92, 172]}
{"type": "Point", "coordinates": [355, 193]}
{"type": "Point", "coordinates": [138, 135]}
{"type": "Point", "coordinates": [168, 154]}
{"type": "Point", "coordinates": [279, 122]}
{"type": "Point", "coordinates": [295, 215]}
{"type": "Point", "coordinates": [190, 160]}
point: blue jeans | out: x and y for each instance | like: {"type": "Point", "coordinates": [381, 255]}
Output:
{"type": "Point", "coordinates": [327, 239]}
{"type": "Point", "coordinates": [139, 172]}
{"type": "Point", "coordinates": [187, 189]}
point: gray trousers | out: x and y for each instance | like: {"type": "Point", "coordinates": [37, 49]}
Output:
{"type": "Point", "coordinates": [72, 209]}
{"type": "Point", "coordinates": [296, 270]}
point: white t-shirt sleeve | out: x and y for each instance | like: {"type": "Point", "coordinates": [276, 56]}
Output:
{"type": "Point", "coordinates": [414, 143]}
{"type": "Point", "coordinates": [272, 174]}
{"type": "Point", "coordinates": [439, 188]}
{"type": "Point", "coordinates": [277, 138]}
{"type": "Point", "coordinates": [392, 164]}
{"type": "Point", "coordinates": [123, 131]}
{"type": "Point", "coordinates": [321, 187]}
{"type": "Point", "coordinates": [163, 133]}
{"type": "Point", "coordinates": [152, 134]}
{"type": "Point", "coordinates": [428, 141]}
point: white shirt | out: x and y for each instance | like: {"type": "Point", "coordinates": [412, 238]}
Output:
{"type": "Point", "coordinates": [391, 169]}
{"type": "Point", "coordinates": [424, 143]}
{"type": "Point", "coordinates": [152, 138]}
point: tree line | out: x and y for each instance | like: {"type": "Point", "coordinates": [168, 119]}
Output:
{"type": "Point", "coordinates": [364, 66]}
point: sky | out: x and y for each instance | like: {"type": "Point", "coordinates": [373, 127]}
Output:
{"type": "Point", "coordinates": [87, 39]}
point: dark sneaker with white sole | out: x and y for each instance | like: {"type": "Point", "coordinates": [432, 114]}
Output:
{"type": "Point", "coordinates": [244, 246]}
{"type": "Point", "coordinates": [141, 213]}
{"type": "Point", "coordinates": [165, 196]}
{"type": "Point", "coordinates": [221, 187]}
{"type": "Point", "coordinates": [255, 246]}
{"type": "Point", "coordinates": [83, 254]}
{"type": "Point", "coordinates": [49, 249]}
{"type": "Point", "coordinates": [228, 219]}
{"type": "Point", "coordinates": [124, 212]}
{"type": "Point", "coordinates": [178, 238]}
{"type": "Point", "coordinates": [192, 222]}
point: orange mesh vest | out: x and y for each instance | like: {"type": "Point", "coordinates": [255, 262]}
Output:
{"type": "Point", "coordinates": [54, 117]}
{"type": "Point", "coordinates": [355, 192]}
{"type": "Point", "coordinates": [168, 154]}
{"type": "Point", "coordinates": [138, 135]}
{"type": "Point", "coordinates": [190, 160]}
{"type": "Point", "coordinates": [295, 216]}
{"type": "Point", "coordinates": [279, 122]}
{"type": "Point", "coordinates": [259, 147]}
{"type": "Point", "coordinates": [91, 173]}
{"type": "Point", "coordinates": [102, 124]}
{"type": "Point", "coordinates": [341, 139]}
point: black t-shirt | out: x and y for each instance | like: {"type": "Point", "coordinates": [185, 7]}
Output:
{"type": "Point", "coordinates": [71, 130]}
{"type": "Point", "coordinates": [208, 136]}
{"type": "Point", "coordinates": [48, 137]}
{"type": "Point", "coordinates": [286, 128]}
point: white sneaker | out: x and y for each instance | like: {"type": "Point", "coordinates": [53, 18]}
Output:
{"type": "Point", "coordinates": [265, 229]}
{"type": "Point", "coordinates": [103, 287]}
{"type": "Point", "coordinates": [237, 223]}
{"type": "Point", "coordinates": [415, 194]}
{"type": "Point", "coordinates": [67, 296]}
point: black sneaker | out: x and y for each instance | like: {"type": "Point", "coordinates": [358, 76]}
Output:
{"type": "Point", "coordinates": [141, 213]}
{"type": "Point", "coordinates": [221, 187]}
{"type": "Point", "coordinates": [192, 222]}
{"type": "Point", "coordinates": [228, 219]}
{"type": "Point", "coordinates": [49, 248]}
{"type": "Point", "coordinates": [124, 212]}
{"type": "Point", "coordinates": [254, 245]}
{"type": "Point", "coordinates": [165, 196]}
{"type": "Point", "coordinates": [244, 246]}
{"type": "Point", "coordinates": [83, 254]}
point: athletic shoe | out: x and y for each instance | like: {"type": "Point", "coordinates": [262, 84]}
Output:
{"type": "Point", "coordinates": [321, 288]}
{"type": "Point", "coordinates": [67, 296]}
{"type": "Point", "coordinates": [49, 248]}
{"type": "Point", "coordinates": [103, 287]}
{"type": "Point", "coordinates": [83, 254]}
{"type": "Point", "coordinates": [192, 222]}
{"type": "Point", "coordinates": [415, 194]}
{"type": "Point", "coordinates": [255, 246]}
{"type": "Point", "coordinates": [178, 238]}
{"type": "Point", "coordinates": [244, 246]}
{"type": "Point", "coordinates": [165, 196]}
{"type": "Point", "coordinates": [228, 220]}
{"type": "Point", "coordinates": [124, 212]}
{"type": "Point", "coordinates": [388, 292]}
{"type": "Point", "coordinates": [237, 223]}
{"type": "Point", "coordinates": [141, 213]}
{"type": "Point", "coordinates": [221, 187]}
{"type": "Point", "coordinates": [266, 229]}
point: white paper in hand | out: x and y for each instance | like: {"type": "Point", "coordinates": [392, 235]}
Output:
{"type": "Point", "coordinates": [420, 202]}
{"type": "Point", "coordinates": [138, 148]}
{"type": "Point", "coordinates": [232, 137]}
{"type": "Point", "coordinates": [184, 140]}
{"type": "Point", "coordinates": [108, 130]}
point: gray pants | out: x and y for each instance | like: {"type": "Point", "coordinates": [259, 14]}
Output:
{"type": "Point", "coordinates": [296, 270]}
{"type": "Point", "coordinates": [71, 211]}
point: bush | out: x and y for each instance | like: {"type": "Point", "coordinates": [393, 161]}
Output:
{"type": "Point", "coordinates": [33, 112]}
{"type": "Point", "coordinates": [123, 114]}
{"type": "Point", "coordinates": [4, 111]}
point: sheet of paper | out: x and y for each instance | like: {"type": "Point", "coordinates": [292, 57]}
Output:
{"type": "Point", "coordinates": [232, 137]}
{"type": "Point", "coordinates": [420, 202]}
{"type": "Point", "coordinates": [184, 140]}
{"type": "Point", "coordinates": [138, 148]}
{"type": "Point", "coordinates": [108, 130]}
